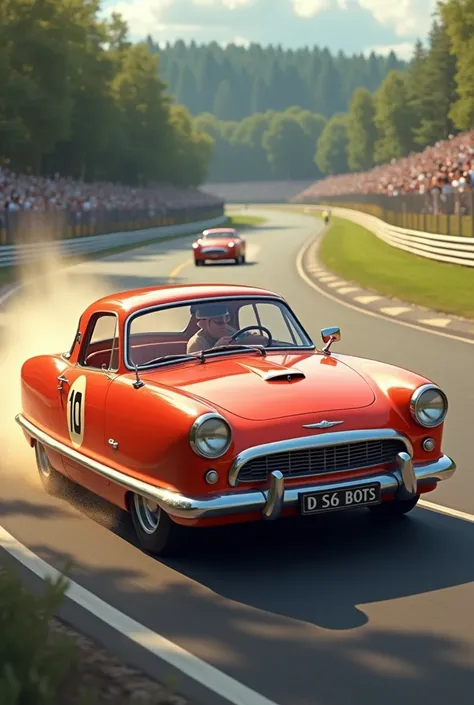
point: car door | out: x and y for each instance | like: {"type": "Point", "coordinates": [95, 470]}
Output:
{"type": "Point", "coordinates": [85, 387]}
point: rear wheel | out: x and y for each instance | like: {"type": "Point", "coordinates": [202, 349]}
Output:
{"type": "Point", "coordinates": [54, 483]}
{"type": "Point", "coordinates": [394, 509]}
{"type": "Point", "coordinates": [157, 533]}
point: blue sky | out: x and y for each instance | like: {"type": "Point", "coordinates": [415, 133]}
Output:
{"type": "Point", "coordinates": [347, 25]}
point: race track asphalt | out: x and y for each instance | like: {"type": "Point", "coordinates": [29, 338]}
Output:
{"type": "Point", "coordinates": [330, 611]}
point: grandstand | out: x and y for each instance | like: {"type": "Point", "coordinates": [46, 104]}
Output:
{"type": "Point", "coordinates": [25, 192]}
{"type": "Point", "coordinates": [447, 167]}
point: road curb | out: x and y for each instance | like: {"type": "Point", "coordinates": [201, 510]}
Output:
{"type": "Point", "coordinates": [371, 301]}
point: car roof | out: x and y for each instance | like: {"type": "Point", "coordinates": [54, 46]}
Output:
{"type": "Point", "coordinates": [137, 299]}
{"type": "Point", "coordinates": [216, 231]}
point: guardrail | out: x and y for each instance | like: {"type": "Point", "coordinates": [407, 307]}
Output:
{"type": "Point", "coordinates": [430, 212]}
{"type": "Point", "coordinates": [443, 248]}
{"type": "Point", "coordinates": [13, 255]}
{"type": "Point", "coordinates": [17, 226]}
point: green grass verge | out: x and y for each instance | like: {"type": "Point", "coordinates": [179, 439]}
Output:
{"type": "Point", "coordinates": [9, 274]}
{"type": "Point", "coordinates": [243, 221]}
{"type": "Point", "coordinates": [357, 255]}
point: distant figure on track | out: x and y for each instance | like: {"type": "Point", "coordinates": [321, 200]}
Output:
{"type": "Point", "coordinates": [326, 216]}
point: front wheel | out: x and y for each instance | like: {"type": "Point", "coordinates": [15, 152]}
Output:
{"type": "Point", "coordinates": [156, 532]}
{"type": "Point", "coordinates": [394, 509]}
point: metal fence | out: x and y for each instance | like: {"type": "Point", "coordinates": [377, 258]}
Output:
{"type": "Point", "coordinates": [432, 212]}
{"type": "Point", "coordinates": [24, 227]}
{"type": "Point", "coordinates": [34, 252]}
{"type": "Point", "coordinates": [443, 248]}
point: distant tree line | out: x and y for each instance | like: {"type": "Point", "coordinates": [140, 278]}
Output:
{"type": "Point", "coordinates": [77, 97]}
{"type": "Point", "coordinates": [235, 82]}
{"type": "Point", "coordinates": [404, 109]}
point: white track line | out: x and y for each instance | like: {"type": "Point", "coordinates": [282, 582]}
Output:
{"type": "Point", "coordinates": [154, 643]}
{"type": "Point", "coordinates": [441, 322]}
{"type": "Point", "coordinates": [367, 299]}
{"type": "Point", "coordinates": [359, 309]}
{"type": "Point", "coordinates": [446, 510]}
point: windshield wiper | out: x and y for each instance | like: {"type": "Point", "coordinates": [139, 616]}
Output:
{"type": "Point", "coordinates": [182, 356]}
{"type": "Point", "coordinates": [200, 355]}
{"type": "Point", "coordinates": [257, 348]}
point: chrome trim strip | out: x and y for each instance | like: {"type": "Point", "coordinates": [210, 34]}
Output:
{"type": "Point", "coordinates": [172, 503]}
{"type": "Point", "coordinates": [267, 501]}
{"type": "Point", "coordinates": [307, 442]}
{"type": "Point", "coordinates": [189, 302]}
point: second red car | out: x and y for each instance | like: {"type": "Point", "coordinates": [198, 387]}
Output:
{"type": "Point", "coordinates": [219, 244]}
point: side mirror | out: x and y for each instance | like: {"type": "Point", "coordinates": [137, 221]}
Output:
{"type": "Point", "coordinates": [330, 336]}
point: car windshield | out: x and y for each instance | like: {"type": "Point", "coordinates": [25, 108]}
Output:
{"type": "Point", "coordinates": [209, 327]}
{"type": "Point", "coordinates": [219, 233]}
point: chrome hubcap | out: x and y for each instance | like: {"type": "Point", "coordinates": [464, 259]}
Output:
{"type": "Point", "coordinates": [148, 513]}
{"type": "Point", "coordinates": [42, 459]}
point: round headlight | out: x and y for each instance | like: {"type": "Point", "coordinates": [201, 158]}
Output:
{"type": "Point", "coordinates": [429, 405]}
{"type": "Point", "coordinates": [210, 436]}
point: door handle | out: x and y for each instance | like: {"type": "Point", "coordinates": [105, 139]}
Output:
{"type": "Point", "coordinates": [61, 380]}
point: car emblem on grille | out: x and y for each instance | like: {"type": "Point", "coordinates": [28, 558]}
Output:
{"type": "Point", "coordinates": [323, 424]}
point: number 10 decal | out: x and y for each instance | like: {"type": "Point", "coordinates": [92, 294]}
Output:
{"type": "Point", "coordinates": [75, 411]}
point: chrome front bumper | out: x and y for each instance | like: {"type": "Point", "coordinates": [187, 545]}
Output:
{"type": "Point", "coordinates": [403, 482]}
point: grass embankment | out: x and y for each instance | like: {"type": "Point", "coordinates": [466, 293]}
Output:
{"type": "Point", "coordinates": [243, 222]}
{"type": "Point", "coordinates": [357, 255]}
{"type": "Point", "coordinates": [42, 661]}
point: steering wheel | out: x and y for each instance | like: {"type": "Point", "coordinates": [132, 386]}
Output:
{"type": "Point", "coordinates": [261, 328]}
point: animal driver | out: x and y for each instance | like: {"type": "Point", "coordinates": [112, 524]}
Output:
{"type": "Point", "coordinates": [214, 330]}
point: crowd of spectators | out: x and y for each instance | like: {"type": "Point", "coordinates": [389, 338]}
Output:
{"type": "Point", "coordinates": [447, 167]}
{"type": "Point", "coordinates": [42, 193]}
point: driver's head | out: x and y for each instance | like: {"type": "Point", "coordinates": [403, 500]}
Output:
{"type": "Point", "coordinates": [213, 319]}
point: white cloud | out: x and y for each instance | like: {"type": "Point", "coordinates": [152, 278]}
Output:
{"type": "Point", "coordinates": [407, 17]}
{"type": "Point", "coordinates": [311, 8]}
{"type": "Point", "coordinates": [403, 50]}
{"type": "Point", "coordinates": [147, 16]}
{"type": "Point", "coordinates": [142, 16]}
{"type": "Point", "coordinates": [229, 4]}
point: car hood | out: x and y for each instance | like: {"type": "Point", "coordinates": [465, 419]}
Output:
{"type": "Point", "coordinates": [216, 242]}
{"type": "Point", "coordinates": [259, 388]}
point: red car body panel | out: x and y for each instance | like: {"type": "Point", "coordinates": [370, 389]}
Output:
{"type": "Point", "coordinates": [95, 408]}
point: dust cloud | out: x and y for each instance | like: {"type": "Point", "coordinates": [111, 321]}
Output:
{"type": "Point", "coordinates": [40, 318]}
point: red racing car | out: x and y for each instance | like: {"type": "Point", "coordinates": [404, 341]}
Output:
{"type": "Point", "coordinates": [218, 244]}
{"type": "Point", "coordinates": [203, 405]}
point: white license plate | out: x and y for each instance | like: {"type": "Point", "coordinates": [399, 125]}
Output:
{"type": "Point", "coordinates": [357, 496]}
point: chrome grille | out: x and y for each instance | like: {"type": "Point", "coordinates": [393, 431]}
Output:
{"type": "Point", "coordinates": [323, 459]}
{"type": "Point", "coordinates": [213, 250]}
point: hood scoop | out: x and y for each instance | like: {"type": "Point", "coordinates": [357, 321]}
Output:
{"type": "Point", "coordinates": [278, 375]}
